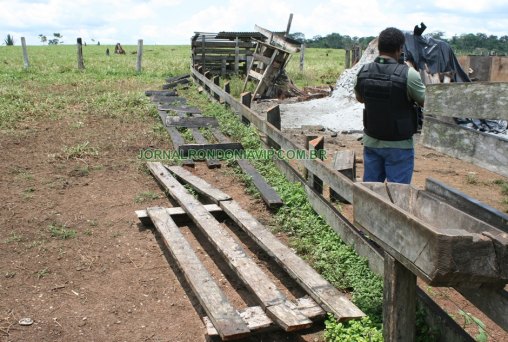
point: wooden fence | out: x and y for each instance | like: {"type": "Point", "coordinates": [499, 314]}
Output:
{"type": "Point", "coordinates": [492, 301]}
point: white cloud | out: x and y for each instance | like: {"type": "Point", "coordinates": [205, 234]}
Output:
{"type": "Point", "coordinates": [174, 21]}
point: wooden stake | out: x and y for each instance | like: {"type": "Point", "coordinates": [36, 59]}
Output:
{"type": "Point", "coordinates": [348, 59]}
{"type": "Point", "coordinates": [246, 100]}
{"type": "Point", "coordinates": [25, 54]}
{"type": "Point", "coordinates": [302, 57]}
{"type": "Point", "coordinates": [399, 302]}
{"type": "Point", "coordinates": [81, 64]}
{"type": "Point", "coordinates": [237, 56]}
{"type": "Point", "coordinates": [289, 24]}
{"type": "Point", "coordinates": [140, 55]}
{"type": "Point", "coordinates": [273, 117]}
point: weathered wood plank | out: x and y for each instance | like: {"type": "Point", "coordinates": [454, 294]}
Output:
{"type": "Point", "coordinates": [479, 100]}
{"type": "Point", "coordinates": [253, 316]}
{"type": "Point", "coordinates": [265, 291]}
{"type": "Point", "coordinates": [273, 117]}
{"type": "Point", "coordinates": [278, 39]}
{"type": "Point", "coordinates": [224, 44]}
{"type": "Point", "coordinates": [344, 162]}
{"type": "Point", "coordinates": [162, 99]}
{"type": "Point", "coordinates": [176, 213]}
{"type": "Point", "coordinates": [197, 150]}
{"type": "Point", "coordinates": [200, 185]}
{"type": "Point", "coordinates": [176, 78]}
{"type": "Point", "coordinates": [160, 93]}
{"type": "Point", "coordinates": [316, 286]}
{"type": "Point", "coordinates": [223, 315]}
{"type": "Point", "coordinates": [260, 57]}
{"type": "Point", "coordinates": [482, 149]}
{"type": "Point", "coordinates": [399, 302]}
{"type": "Point", "coordinates": [183, 109]}
{"type": "Point", "coordinates": [268, 194]}
{"type": "Point", "coordinates": [467, 204]}
{"type": "Point", "coordinates": [191, 122]}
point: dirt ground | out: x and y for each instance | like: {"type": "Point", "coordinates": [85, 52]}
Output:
{"type": "Point", "coordinates": [74, 258]}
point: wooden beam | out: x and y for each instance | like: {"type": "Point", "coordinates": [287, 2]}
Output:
{"type": "Point", "coordinates": [278, 39]}
{"type": "Point", "coordinates": [289, 25]}
{"type": "Point", "coordinates": [265, 291]}
{"type": "Point", "coordinates": [182, 109]}
{"type": "Point", "coordinates": [176, 213]}
{"type": "Point", "coordinates": [479, 148]}
{"type": "Point", "coordinates": [399, 302]}
{"type": "Point", "coordinates": [343, 162]}
{"type": "Point", "coordinates": [313, 283]}
{"type": "Point", "coordinates": [203, 151]}
{"type": "Point", "coordinates": [191, 122]}
{"type": "Point", "coordinates": [223, 315]}
{"type": "Point", "coordinates": [253, 316]}
{"type": "Point", "coordinates": [273, 117]}
{"type": "Point", "coordinates": [315, 144]}
{"type": "Point", "coordinates": [268, 194]}
{"type": "Point", "coordinates": [479, 100]}
{"type": "Point", "coordinates": [202, 187]}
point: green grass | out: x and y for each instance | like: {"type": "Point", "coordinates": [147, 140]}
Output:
{"type": "Point", "coordinates": [146, 196]}
{"type": "Point", "coordinates": [61, 232]}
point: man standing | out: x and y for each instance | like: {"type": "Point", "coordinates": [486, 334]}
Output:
{"type": "Point", "coordinates": [389, 89]}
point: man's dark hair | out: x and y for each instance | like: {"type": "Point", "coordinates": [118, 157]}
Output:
{"type": "Point", "coordinates": [390, 40]}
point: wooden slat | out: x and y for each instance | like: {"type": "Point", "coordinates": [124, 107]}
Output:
{"type": "Point", "coordinates": [168, 99]}
{"type": "Point", "coordinates": [183, 109]}
{"type": "Point", "coordinates": [265, 291]}
{"type": "Point", "coordinates": [268, 194]}
{"type": "Point", "coordinates": [253, 316]}
{"type": "Point", "coordinates": [479, 100]}
{"type": "Point", "coordinates": [223, 44]}
{"type": "Point", "coordinates": [260, 57]}
{"type": "Point", "coordinates": [315, 285]}
{"type": "Point", "coordinates": [176, 138]}
{"type": "Point", "coordinates": [176, 213]}
{"type": "Point", "coordinates": [223, 315]}
{"type": "Point", "coordinates": [199, 184]}
{"type": "Point", "coordinates": [278, 39]}
{"type": "Point", "coordinates": [256, 75]}
{"type": "Point", "coordinates": [160, 93]}
{"type": "Point", "coordinates": [191, 122]}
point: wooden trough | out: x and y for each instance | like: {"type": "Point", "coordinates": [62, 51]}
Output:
{"type": "Point", "coordinates": [437, 242]}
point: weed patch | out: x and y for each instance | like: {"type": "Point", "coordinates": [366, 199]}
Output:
{"type": "Point", "coordinates": [61, 232]}
{"type": "Point", "coordinates": [146, 196]}
{"type": "Point", "coordinates": [80, 151]}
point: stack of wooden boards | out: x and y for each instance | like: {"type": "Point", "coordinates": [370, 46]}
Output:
{"type": "Point", "coordinates": [274, 310]}
{"type": "Point", "coordinates": [176, 116]}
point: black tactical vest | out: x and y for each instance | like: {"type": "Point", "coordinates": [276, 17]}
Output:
{"type": "Point", "coordinates": [388, 113]}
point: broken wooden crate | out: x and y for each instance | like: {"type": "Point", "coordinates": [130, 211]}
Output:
{"type": "Point", "coordinates": [275, 309]}
{"type": "Point", "coordinates": [437, 242]}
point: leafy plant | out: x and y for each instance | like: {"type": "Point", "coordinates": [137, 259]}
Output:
{"type": "Point", "coordinates": [61, 232]}
{"type": "Point", "coordinates": [80, 151]}
{"type": "Point", "coordinates": [14, 237]}
{"type": "Point", "coordinates": [352, 331]}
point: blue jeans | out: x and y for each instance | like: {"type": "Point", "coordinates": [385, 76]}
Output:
{"type": "Point", "coordinates": [393, 164]}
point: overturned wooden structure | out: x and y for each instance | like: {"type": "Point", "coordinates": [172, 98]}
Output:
{"type": "Point", "coordinates": [489, 298]}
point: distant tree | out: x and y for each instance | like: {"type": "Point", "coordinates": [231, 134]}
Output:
{"type": "Point", "coordinates": [9, 40]}
{"type": "Point", "coordinates": [56, 40]}
{"type": "Point", "coordinates": [43, 38]}
{"type": "Point", "coordinates": [436, 35]}
{"type": "Point", "coordinates": [299, 36]}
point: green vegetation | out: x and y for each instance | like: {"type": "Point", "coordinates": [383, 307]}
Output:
{"type": "Point", "coordinates": [14, 237]}
{"type": "Point", "coordinates": [9, 40]}
{"type": "Point", "coordinates": [80, 151]}
{"type": "Point", "coordinates": [60, 231]}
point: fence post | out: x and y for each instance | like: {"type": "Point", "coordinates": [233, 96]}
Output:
{"type": "Point", "coordinates": [237, 55]}
{"type": "Point", "coordinates": [302, 57]}
{"type": "Point", "coordinates": [25, 53]}
{"type": "Point", "coordinates": [246, 99]}
{"type": "Point", "coordinates": [273, 117]}
{"type": "Point", "coordinates": [140, 55]}
{"type": "Point", "coordinates": [81, 64]}
{"type": "Point", "coordinates": [348, 59]}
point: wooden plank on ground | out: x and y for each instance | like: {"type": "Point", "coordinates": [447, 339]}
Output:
{"type": "Point", "coordinates": [191, 122]}
{"type": "Point", "coordinates": [176, 78]}
{"type": "Point", "coordinates": [253, 316]}
{"type": "Point", "coordinates": [268, 194]}
{"type": "Point", "coordinates": [200, 185]}
{"type": "Point", "coordinates": [212, 163]}
{"type": "Point", "coordinates": [204, 150]}
{"type": "Point", "coordinates": [160, 93]}
{"type": "Point", "coordinates": [315, 285]}
{"type": "Point", "coordinates": [168, 99]}
{"type": "Point", "coordinates": [265, 291]}
{"type": "Point", "coordinates": [223, 315]}
{"type": "Point", "coordinates": [482, 149]}
{"type": "Point", "coordinates": [479, 100]}
{"type": "Point", "coordinates": [176, 138]}
{"type": "Point", "coordinates": [176, 213]}
{"type": "Point", "coordinates": [183, 109]}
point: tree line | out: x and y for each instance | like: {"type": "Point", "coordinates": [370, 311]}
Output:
{"type": "Point", "coordinates": [469, 43]}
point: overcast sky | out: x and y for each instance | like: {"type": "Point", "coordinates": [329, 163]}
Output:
{"type": "Point", "coordinates": [174, 21]}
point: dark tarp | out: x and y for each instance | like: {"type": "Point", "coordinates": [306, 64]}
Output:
{"type": "Point", "coordinates": [439, 58]}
